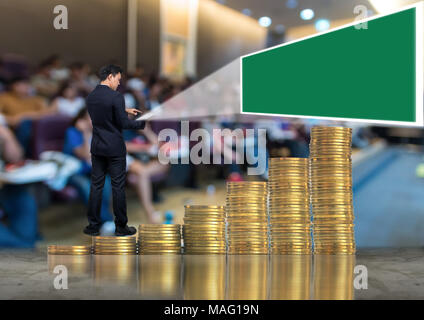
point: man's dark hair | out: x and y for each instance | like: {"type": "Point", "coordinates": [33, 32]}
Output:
{"type": "Point", "coordinates": [109, 69]}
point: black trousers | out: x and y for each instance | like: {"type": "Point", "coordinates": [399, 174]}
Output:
{"type": "Point", "coordinates": [116, 168]}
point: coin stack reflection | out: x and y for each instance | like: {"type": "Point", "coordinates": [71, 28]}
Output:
{"type": "Point", "coordinates": [247, 218]}
{"type": "Point", "coordinates": [159, 239]}
{"type": "Point", "coordinates": [204, 230]}
{"type": "Point", "coordinates": [290, 221]}
{"type": "Point", "coordinates": [331, 190]}
{"type": "Point", "coordinates": [114, 245]}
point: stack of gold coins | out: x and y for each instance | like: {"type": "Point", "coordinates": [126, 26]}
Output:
{"type": "Point", "coordinates": [247, 217]}
{"type": "Point", "coordinates": [115, 245]}
{"type": "Point", "coordinates": [331, 190]}
{"type": "Point", "coordinates": [159, 239]}
{"type": "Point", "coordinates": [204, 230]}
{"type": "Point", "coordinates": [290, 220]}
{"type": "Point", "coordinates": [68, 250]}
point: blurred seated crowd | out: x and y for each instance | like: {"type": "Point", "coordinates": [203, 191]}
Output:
{"type": "Point", "coordinates": [43, 108]}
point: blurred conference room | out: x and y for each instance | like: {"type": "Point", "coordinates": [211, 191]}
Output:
{"type": "Point", "coordinates": [50, 52]}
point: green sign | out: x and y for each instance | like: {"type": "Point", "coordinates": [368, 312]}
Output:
{"type": "Point", "coordinates": [352, 73]}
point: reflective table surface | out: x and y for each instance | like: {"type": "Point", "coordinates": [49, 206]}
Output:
{"type": "Point", "coordinates": [371, 274]}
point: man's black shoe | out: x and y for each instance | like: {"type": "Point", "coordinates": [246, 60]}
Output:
{"type": "Point", "coordinates": [126, 231]}
{"type": "Point", "coordinates": [91, 231]}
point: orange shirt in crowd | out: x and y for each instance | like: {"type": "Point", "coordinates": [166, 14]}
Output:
{"type": "Point", "coordinates": [13, 105]}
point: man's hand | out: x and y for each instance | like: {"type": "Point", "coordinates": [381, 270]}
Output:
{"type": "Point", "coordinates": [133, 111]}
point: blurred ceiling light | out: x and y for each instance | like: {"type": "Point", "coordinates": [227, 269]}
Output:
{"type": "Point", "coordinates": [246, 12]}
{"type": "Point", "coordinates": [322, 25]}
{"type": "Point", "coordinates": [265, 21]}
{"type": "Point", "coordinates": [307, 14]}
{"type": "Point", "coordinates": [279, 28]}
{"type": "Point", "coordinates": [386, 5]}
{"type": "Point", "coordinates": [291, 4]}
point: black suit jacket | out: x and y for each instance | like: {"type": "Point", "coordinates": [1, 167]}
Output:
{"type": "Point", "coordinates": [107, 112]}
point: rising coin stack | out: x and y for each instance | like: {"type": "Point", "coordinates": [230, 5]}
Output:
{"type": "Point", "coordinates": [114, 245]}
{"type": "Point", "coordinates": [68, 250]}
{"type": "Point", "coordinates": [204, 230]}
{"type": "Point", "coordinates": [290, 220]}
{"type": "Point", "coordinates": [159, 239]}
{"type": "Point", "coordinates": [247, 218]}
{"type": "Point", "coordinates": [331, 190]}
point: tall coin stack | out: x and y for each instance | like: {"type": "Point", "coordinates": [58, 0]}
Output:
{"type": "Point", "coordinates": [290, 220]}
{"type": "Point", "coordinates": [204, 230]}
{"type": "Point", "coordinates": [247, 218]}
{"type": "Point", "coordinates": [114, 245]}
{"type": "Point", "coordinates": [159, 239]}
{"type": "Point", "coordinates": [331, 189]}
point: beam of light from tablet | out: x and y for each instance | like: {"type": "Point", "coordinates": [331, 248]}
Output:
{"type": "Point", "coordinates": [217, 94]}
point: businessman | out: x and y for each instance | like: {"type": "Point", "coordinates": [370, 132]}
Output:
{"type": "Point", "coordinates": [108, 115]}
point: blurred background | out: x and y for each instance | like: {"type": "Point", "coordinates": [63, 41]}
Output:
{"type": "Point", "coordinates": [166, 47]}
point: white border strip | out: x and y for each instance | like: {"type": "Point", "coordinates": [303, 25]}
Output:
{"type": "Point", "coordinates": [419, 68]}
{"type": "Point", "coordinates": [419, 30]}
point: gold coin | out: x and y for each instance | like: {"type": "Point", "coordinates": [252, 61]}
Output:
{"type": "Point", "coordinates": [288, 159]}
{"type": "Point", "coordinates": [330, 161]}
{"type": "Point", "coordinates": [133, 240]}
{"type": "Point", "coordinates": [114, 239]}
{"type": "Point", "coordinates": [159, 252]}
{"type": "Point", "coordinates": [194, 231]}
{"type": "Point", "coordinates": [210, 222]}
{"type": "Point", "coordinates": [277, 211]}
{"type": "Point", "coordinates": [197, 207]}
{"type": "Point", "coordinates": [276, 217]}
{"type": "Point", "coordinates": [203, 242]}
{"type": "Point", "coordinates": [160, 229]}
{"type": "Point", "coordinates": [244, 228]}
{"type": "Point", "coordinates": [221, 244]}
{"type": "Point", "coordinates": [156, 234]}
{"type": "Point", "coordinates": [246, 183]}
{"type": "Point", "coordinates": [204, 232]}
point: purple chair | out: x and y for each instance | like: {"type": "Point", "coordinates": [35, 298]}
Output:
{"type": "Point", "coordinates": [49, 134]}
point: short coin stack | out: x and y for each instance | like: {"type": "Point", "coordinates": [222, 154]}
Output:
{"type": "Point", "coordinates": [68, 250]}
{"type": "Point", "coordinates": [204, 230]}
{"type": "Point", "coordinates": [331, 189]}
{"type": "Point", "coordinates": [247, 218]}
{"type": "Point", "coordinates": [159, 239]}
{"type": "Point", "coordinates": [114, 245]}
{"type": "Point", "coordinates": [290, 220]}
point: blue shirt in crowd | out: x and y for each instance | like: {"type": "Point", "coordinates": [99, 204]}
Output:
{"type": "Point", "coordinates": [74, 139]}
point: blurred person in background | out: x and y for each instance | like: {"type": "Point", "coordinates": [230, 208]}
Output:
{"type": "Point", "coordinates": [42, 81]}
{"type": "Point", "coordinates": [226, 151]}
{"type": "Point", "coordinates": [154, 96]}
{"type": "Point", "coordinates": [77, 143]}
{"type": "Point", "coordinates": [20, 107]}
{"type": "Point", "coordinates": [134, 93]}
{"type": "Point", "coordinates": [286, 138]}
{"type": "Point", "coordinates": [19, 212]}
{"type": "Point", "coordinates": [143, 147]}
{"type": "Point", "coordinates": [19, 102]}
{"type": "Point", "coordinates": [57, 71]}
{"type": "Point", "coordinates": [90, 76]}
{"type": "Point", "coordinates": [79, 78]}
{"type": "Point", "coordinates": [68, 102]}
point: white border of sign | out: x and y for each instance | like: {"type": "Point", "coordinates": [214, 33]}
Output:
{"type": "Point", "coordinates": [419, 113]}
